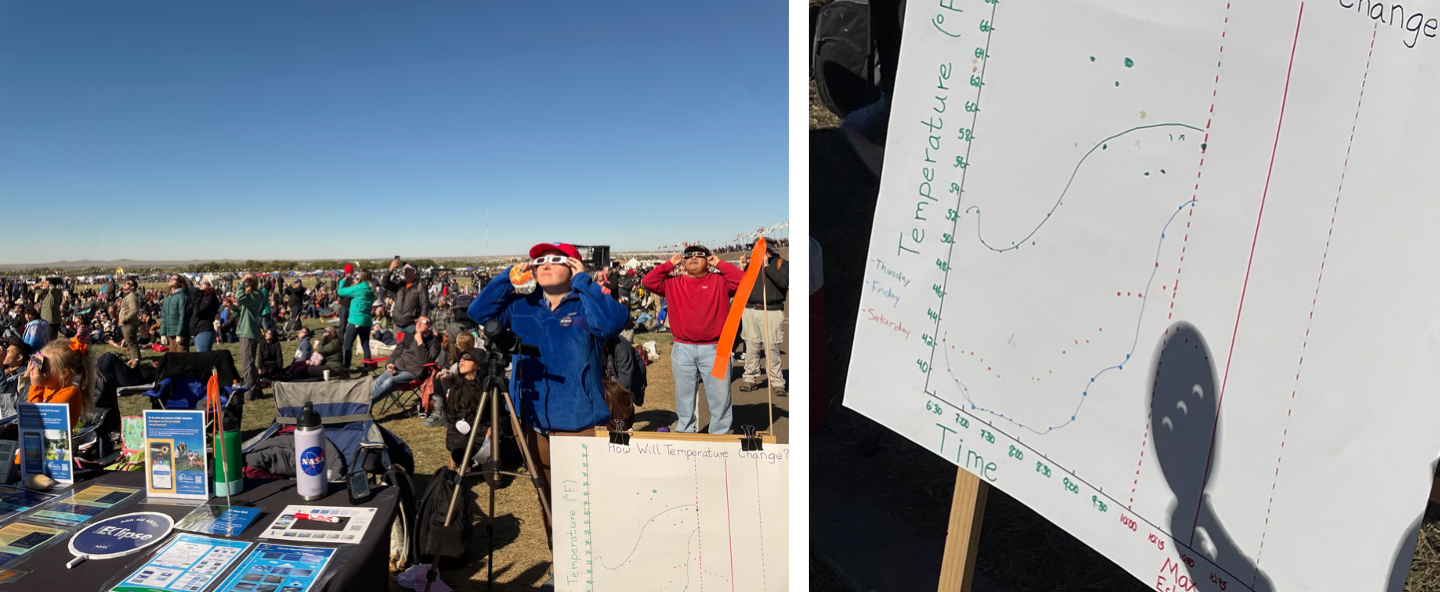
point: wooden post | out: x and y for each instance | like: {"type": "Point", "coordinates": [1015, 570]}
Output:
{"type": "Point", "coordinates": [957, 569]}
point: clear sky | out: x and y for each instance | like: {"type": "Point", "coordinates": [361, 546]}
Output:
{"type": "Point", "coordinates": [361, 129]}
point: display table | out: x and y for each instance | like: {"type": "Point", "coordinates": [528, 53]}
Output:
{"type": "Point", "coordinates": [367, 569]}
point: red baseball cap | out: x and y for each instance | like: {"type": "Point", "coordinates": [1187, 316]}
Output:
{"type": "Point", "coordinates": [569, 250]}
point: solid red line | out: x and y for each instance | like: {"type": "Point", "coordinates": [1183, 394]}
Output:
{"type": "Point", "coordinates": [727, 524]}
{"type": "Point", "coordinates": [1284, 95]}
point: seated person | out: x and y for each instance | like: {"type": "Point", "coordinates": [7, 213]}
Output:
{"type": "Point", "coordinates": [383, 335]}
{"type": "Point", "coordinates": [330, 348]}
{"type": "Point", "coordinates": [36, 329]}
{"type": "Point", "coordinates": [303, 348]}
{"type": "Point", "coordinates": [270, 362]}
{"type": "Point", "coordinates": [408, 361]}
{"type": "Point", "coordinates": [12, 373]}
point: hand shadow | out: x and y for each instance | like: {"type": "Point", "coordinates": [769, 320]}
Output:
{"type": "Point", "coordinates": [1184, 409]}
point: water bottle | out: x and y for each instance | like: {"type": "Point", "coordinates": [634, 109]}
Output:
{"type": "Point", "coordinates": [310, 481]}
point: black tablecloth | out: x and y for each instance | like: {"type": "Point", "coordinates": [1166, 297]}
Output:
{"type": "Point", "coordinates": [367, 569]}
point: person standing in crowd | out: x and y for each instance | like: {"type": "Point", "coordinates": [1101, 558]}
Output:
{"type": "Point", "coordinates": [203, 325]}
{"type": "Point", "coordinates": [760, 323]}
{"type": "Point", "coordinates": [175, 314]}
{"type": "Point", "coordinates": [698, 302]}
{"type": "Point", "coordinates": [295, 302]}
{"type": "Point", "coordinates": [50, 296]}
{"type": "Point", "coordinates": [569, 318]}
{"type": "Point", "coordinates": [409, 296]}
{"type": "Point", "coordinates": [251, 301]}
{"type": "Point", "coordinates": [408, 361]}
{"type": "Point", "coordinates": [130, 317]}
{"type": "Point", "coordinates": [358, 319]}
{"type": "Point", "coordinates": [342, 304]}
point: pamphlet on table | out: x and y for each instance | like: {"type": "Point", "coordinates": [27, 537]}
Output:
{"type": "Point", "coordinates": [19, 538]}
{"type": "Point", "coordinates": [16, 500]}
{"type": "Point", "coordinates": [45, 441]}
{"type": "Point", "coordinates": [175, 454]}
{"type": "Point", "coordinates": [77, 507]}
{"type": "Point", "coordinates": [188, 564]}
{"type": "Point", "coordinates": [7, 459]}
{"type": "Point", "coordinates": [329, 524]}
{"type": "Point", "coordinates": [212, 519]}
{"type": "Point", "coordinates": [272, 567]}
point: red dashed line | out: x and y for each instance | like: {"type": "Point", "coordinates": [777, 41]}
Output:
{"type": "Point", "coordinates": [1190, 214]}
{"type": "Point", "coordinates": [699, 536]}
{"type": "Point", "coordinates": [760, 515]}
{"type": "Point", "coordinates": [1175, 288]}
{"type": "Point", "coordinates": [1316, 297]}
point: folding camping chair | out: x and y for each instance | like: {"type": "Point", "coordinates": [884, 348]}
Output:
{"type": "Point", "coordinates": [181, 379]}
{"type": "Point", "coordinates": [405, 396]}
{"type": "Point", "coordinates": [344, 408]}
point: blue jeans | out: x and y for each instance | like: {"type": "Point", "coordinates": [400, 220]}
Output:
{"type": "Point", "coordinates": [204, 340]}
{"type": "Point", "coordinates": [408, 330]}
{"type": "Point", "coordinates": [388, 382]}
{"type": "Point", "coordinates": [351, 332]}
{"type": "Point", "coordinates": [690, 362]}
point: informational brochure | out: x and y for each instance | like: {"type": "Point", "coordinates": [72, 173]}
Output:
{"type": "Point", "coordinates": [212, 519]}
{"type": "Point", "coordinates": [16, 500]}
{"type": "Point", "coordinates": [45, 441]}
{"type": "Point", "coordinates": [7, 459]}
{"type": "Point", "coordinates": [328, 524]}
{"type": "Point", "coordinates": [77, 507]}
{"type": "Point", "coordinates": [19, 538]}
{"type": "Point", "coordinates": [278, 568]}
{"type": "Point", "coordinates": [187, 564]}
{"type": "Point", "coordinates": [175, 454]}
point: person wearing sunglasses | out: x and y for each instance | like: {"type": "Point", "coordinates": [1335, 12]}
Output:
{"type": "Point", "coordinates": [12, 375]}
{"type": "Point", "coordinates": [569, 319]}
{"type": "Point", "coordinates": [698, 302]}
{"type": "Point", "coordinates": [175, 314]}
{"type": "Point", "coordinates": [409, 295]}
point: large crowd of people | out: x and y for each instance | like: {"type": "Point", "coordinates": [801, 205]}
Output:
{"type": "Point", "coordinates": [582, 320]}
{"type": "Point", "coordinates": [416, 317]}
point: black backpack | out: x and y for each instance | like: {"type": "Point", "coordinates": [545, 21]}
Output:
{"type": "Point", "coordinates": [430, 519]}
{"type": "Point", "coordinates": [842, 59]}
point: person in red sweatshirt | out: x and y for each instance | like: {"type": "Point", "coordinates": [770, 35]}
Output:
{"type": "Point", "coordinates": [698, 301]}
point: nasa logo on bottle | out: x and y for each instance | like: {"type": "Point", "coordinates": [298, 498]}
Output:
{"type": "Point", "coordinates": [312, 461]}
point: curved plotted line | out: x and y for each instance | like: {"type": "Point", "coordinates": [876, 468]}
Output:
{"type": "Point", "coordinates": [1098, 145]}
{"type": "Point", "coordinates": [1085, 392]}
{"type": "Point", "coordinates": [638, 538]}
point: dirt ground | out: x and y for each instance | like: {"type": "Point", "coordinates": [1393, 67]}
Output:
{"type": "Point", "coordinates": [522, 557]}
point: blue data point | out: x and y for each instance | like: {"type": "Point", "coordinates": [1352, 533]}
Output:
{"type": "Point", "coordinates": [1127, 356]}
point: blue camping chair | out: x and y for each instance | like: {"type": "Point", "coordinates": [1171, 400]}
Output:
{"type": "Point", "coordinates": [344, 408]}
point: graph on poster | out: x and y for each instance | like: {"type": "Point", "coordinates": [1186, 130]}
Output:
{"type": "Point", "coordinates": [1134, 263]}
{"type": "Point", "coordinates": [669, 515]}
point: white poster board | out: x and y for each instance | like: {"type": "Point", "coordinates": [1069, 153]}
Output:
{"type": "Point", "coordinates": [1102, 225]}
{"type": "Point", "coordinates": [669, 515]}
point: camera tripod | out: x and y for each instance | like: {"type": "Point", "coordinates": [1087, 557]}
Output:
{"type": "Point", "coordinates": [502, 343]}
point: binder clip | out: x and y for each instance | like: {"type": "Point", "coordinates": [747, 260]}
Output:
{"type": "Point", "coordinates": [749, 442]}
{"type": "Point", "coordinates": [619, 435]}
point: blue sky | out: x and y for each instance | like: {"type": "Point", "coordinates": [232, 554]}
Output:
{"type": "Point", "coordinates": [361, 129]}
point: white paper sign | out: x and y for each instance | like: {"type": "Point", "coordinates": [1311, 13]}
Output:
{"type": "Point", "coordinates": [1102, 225]}
{"type": "Point", "coordinates": [669, 515]}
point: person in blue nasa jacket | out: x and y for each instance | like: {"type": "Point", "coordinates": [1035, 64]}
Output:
{"type": "Point", "coordinates": [569, 318]}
